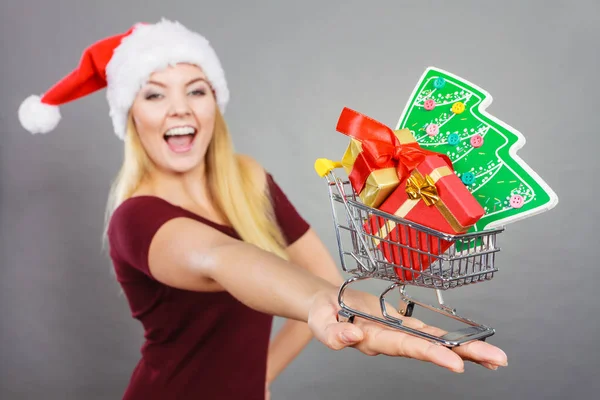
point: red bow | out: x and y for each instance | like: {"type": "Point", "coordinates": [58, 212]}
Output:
{"type": "Point", "coordinates": [380, 148]}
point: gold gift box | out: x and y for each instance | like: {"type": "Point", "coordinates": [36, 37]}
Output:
{"type": "Point", "coordinates": [380, 182]}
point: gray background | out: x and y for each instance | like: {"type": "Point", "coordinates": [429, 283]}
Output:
{"type": "Point", "coordinates": [66, 332]}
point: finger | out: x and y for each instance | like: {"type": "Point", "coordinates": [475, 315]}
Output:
{"type": "Point", "coordinates": [489, 366]}
{"type": "Point", "coordinates": [326, 328]}
{"type": "Point", "coordinates": [373, 303]}
{"type": "Point", "coordinates": [482, 352]}
{"type": "Point", "coordinates": [395, 343]}
{"type": "Point", "coordinates": [410, 322]}
{"type": "Point", "coordinates": [476, 351]}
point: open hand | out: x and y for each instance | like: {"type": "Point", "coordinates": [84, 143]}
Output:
{"type": "Point", "coordinates": [372, 338]}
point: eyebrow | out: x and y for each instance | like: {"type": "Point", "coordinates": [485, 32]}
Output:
{"type": "Point", "coordinates": [187, 84]}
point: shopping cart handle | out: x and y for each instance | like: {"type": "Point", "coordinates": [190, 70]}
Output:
{"type": "Point", "coordinates": [324, 166]}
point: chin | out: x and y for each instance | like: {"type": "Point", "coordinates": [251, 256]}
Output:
{"type": "Point", "coordinates": [183, 167]}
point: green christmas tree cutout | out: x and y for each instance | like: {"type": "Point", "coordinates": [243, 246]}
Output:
{"type": "Point", "coordinates": [446, 114]}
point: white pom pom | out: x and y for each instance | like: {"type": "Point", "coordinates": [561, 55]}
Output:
{"type": "Point", "coordinates": [38, 117]}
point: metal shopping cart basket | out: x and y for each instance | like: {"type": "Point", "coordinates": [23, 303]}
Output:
{"type": "Point", "coordinates": [469, 259]}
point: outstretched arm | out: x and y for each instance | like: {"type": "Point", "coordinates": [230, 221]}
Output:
{"type": "Point", "coordinates": [310, 253]}
{"type": "Point", "coordinates": [189, 255]}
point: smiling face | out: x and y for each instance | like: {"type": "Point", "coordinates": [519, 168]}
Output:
{"type": "Point", "coordinates": [174, 115]}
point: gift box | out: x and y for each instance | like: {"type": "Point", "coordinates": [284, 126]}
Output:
{"type": "Point", "coordinates": [432, 196]}
{"type": "Point", "coordinates": [380, 181]}
{"type": "Point", "coordinates": [377, 158]}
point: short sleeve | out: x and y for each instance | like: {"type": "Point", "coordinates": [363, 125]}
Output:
{"type": "Point", "coordinates": [133, 226]}
{"type": "Point", "coordinates": [291, 223]}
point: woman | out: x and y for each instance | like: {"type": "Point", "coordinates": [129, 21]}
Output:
{"type": "Point", "coordinates": [204, 243]}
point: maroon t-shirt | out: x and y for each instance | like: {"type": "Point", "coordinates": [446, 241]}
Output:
{"type": "Point", "coordinates": [199, 345]}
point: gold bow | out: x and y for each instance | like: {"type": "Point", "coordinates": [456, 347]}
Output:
{"type": "Point", "coordinates": [418, 188]}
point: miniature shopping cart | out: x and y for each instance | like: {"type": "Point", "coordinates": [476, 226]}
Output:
{"type": "Point", "coordinates": [469, 259]}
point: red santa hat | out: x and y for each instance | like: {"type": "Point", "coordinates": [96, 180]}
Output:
{"type": "Point", "coordinates": [122, 64]}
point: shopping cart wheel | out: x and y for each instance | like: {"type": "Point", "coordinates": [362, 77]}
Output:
{"type": "Point", "coordinates": [408, 310]}
{"type": "Point", "coordinates": [344, 316]}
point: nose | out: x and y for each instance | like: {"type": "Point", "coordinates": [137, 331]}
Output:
{"type": "Point", "coordinates": [179, 106]}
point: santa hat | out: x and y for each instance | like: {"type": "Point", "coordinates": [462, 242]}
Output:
{"type": "Point", "coordinates": [123, 63]}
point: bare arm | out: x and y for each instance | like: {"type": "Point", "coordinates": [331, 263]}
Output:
{"type": "Point", "coordinates": [190, 255]}
{"type": "Point", "coordinates": [310, 253]}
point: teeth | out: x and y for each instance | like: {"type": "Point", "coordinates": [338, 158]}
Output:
{"type": "Point", "coordinates": [182, 130]}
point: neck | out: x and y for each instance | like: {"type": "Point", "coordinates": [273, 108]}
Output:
{"type": "Point", "coordinates": [190, 188]}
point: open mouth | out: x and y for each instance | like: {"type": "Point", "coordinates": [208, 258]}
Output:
{"type": "Point", "coordinates": [180, 139]}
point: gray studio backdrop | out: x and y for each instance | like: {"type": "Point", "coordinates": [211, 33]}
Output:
{"type": "Point", "coordinates": [65, 329]}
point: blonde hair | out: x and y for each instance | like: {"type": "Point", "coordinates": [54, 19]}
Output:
{"type": "Point", "coordinates": [233, 188]}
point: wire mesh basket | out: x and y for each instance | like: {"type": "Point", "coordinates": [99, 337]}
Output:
{"type": "Point", "coordinates": [376, 245]}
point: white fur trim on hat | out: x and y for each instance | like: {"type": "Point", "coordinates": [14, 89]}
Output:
{"type": "Point", "coordinates": [150, 48]}
{"type": "Point", "coordinates": [38, 117]}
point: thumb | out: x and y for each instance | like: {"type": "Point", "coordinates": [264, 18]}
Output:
{"type": "Point", "coordinates": [338, 335]}
{"type": "Point", "coordinates": [324, 324]}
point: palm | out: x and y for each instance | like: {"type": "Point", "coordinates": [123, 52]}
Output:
{"type": "Point", "coordinates": [373, 338]}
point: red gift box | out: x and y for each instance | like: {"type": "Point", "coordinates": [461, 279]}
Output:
{"type": "Point", "coordinates": [378, 158]}
{"type": "Point", "coordinates": [432, 196]}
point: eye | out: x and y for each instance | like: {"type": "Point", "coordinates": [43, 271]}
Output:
{"type": "Point", "coordinates": [152, 96]}
{"type": "Point", "coordinates": [198, 92]}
